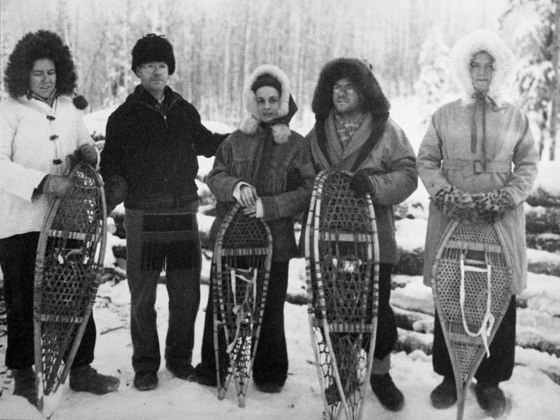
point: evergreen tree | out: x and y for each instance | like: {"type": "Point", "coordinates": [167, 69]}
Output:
{"type": "Point", "coordinates": [535, 31]}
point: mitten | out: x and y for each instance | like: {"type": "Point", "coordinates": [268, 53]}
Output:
{"type": "Point", "coordinates": [493, 206]}
{"type": "Point", "coordinates": [115, 192]}
{"type": "Point", "coordinates": [55, 185]}
{"type": "Point", "coordinates": [456, 204]}
{"type": "Point", "coordinates": [362, 183]}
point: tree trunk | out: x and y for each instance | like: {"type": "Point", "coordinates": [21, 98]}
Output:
{"type": "Point", "coordinates": [555, 94]}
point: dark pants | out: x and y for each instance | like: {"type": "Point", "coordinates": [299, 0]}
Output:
{"type": "Point", "coordinates": [387, 335]}
{"type": "Point", "coordinates": [17, 259]}
{"type": "Point", "coordinates": [271, 358]}
{"type": "Point", "coordinates": [498, 367]}
{"type": "Point", "coordinates": [183, 289]}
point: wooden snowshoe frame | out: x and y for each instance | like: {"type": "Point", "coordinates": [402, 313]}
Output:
{"type": "Point", "coordinates": [240, 275]}
{"type": "Point", "coordinates": [472, 287]}
{"type": "Point", "coordinates": [342, 267]}
{"type": "Point", "coordinates": [70, 255]}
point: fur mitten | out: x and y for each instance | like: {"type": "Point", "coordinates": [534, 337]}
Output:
{"type": "Point", "coordinates": [493, 206]}
{"type": "Point", "coordinates": [456, 204]}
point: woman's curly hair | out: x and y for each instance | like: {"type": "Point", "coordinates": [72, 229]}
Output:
{"type": "Point", "coordinates": [35, 46]}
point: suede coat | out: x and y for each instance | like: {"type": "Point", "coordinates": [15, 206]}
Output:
{"type": "Point", "coordinates": [282, 173]}
{"type": "Point", "coordinates": [445, 158]}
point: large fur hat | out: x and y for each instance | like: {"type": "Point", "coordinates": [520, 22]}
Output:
{"type": "Point", "coordinates": [32, 47]}
{"type": "Point", "coordinates": [359, 73]}
{"type": "Point", "coordinates": [475, 42]}
{"type": "Point", "coordinates": [153, 47]}
{"type": "Point", "coordinates": [249, 123]}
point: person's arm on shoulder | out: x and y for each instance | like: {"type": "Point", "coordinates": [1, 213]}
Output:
{"type": "Point", "coordinates": [205, 142]}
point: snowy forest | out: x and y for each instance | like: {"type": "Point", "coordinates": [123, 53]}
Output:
{"type": "Point", "coordinates": [219, 42]}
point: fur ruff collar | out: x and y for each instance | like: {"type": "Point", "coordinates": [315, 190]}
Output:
{"type": "Point", "coordinates": [466, 48]}
{"type": "Point", "coordinates": [250, 124]}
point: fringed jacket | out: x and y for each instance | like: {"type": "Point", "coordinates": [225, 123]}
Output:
{"type": "Point", "coordinates": [282, 173]}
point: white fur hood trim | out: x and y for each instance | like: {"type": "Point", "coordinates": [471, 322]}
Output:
{"type": "Point", "coordinates": [467, 47]}
{"type": "Point", "coordinates": [249, 123]}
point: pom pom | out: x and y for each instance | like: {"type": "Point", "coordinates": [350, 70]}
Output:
{"type": "Point", "coordinates": [80, 102]}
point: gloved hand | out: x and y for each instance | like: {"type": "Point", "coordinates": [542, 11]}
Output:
{"type": "Point", "coordinates": [55, 185]}
{"type": "Point", "coordinates": [115, 192]}
{"type": "Point", "coordinates": [362, 183]}
{"type": "Point", "coordinates": [493, 206]}
{"type": "Point", "coordinates": [456, 204]}
{"type": "Point", "coordinates": [86, 153]}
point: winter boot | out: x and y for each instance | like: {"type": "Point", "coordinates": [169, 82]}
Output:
{"type": "Point", "coordinates": [86, 379]}
{"type": "Point", "coordinates": [180, 372]}
{"type": "Point", "coordinates": [490, 398]}
{"type": "Point", "coordinates": [145, 381]}
{"type": "Point", "coordinates": [24, 384]}
{"type": "Point", "coordinates": [387, 392]}
{"type": "Point", "coordinates": [445, 394]}
{"type": "Point", "coordinates": [203, 375]}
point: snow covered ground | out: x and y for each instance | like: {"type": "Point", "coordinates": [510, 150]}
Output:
{"type": "Point", "coordinates": [532, 393]}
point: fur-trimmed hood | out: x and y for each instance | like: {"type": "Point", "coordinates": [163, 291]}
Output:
{"type": "Point", "coordinates": [280, 126]}
{"type": "Point", "coordinates": [463, 52]}
{"type": "Point", "coordinates": [359, 73]}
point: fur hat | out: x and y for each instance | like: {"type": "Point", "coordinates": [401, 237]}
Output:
{"type": "Point", "coordinates": [153, 47]}
{"type": "Point", "coordinates": [32, 47]}
{"type": "Point", "coordinates": [359, 73]}
{"type": "Point", "coordinates": [265, 75]}
{"type": "Point", "coordinates": [475, 42]}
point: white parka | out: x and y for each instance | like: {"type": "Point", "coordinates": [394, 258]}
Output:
{"type": "Point", "coordinates": [445, 156]}
{"type": "Point", "coordinates": [32, 137]}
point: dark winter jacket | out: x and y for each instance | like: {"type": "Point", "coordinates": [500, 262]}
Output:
{"type": "Point", "coordinates": [152, 153]}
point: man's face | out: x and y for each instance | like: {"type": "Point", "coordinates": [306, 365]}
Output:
{"type": "Point", "coordinates": [153, 77]}
{"type": "Point", "coordinates": [346, 98]}
{"type": "Point", "coordinates": [482, 71]}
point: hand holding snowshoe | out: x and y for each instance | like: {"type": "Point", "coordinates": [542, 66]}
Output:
{"type": "Point", "coordinates": [55, 185]}
{"type": "Point", "coordinates": [493, 206]}
{"type": "Point", "coordinates": [456, 204]}
{"type": "Point", "coordinates": [362, 183]}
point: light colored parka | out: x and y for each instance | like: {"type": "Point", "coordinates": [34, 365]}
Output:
{"type": "Point", "coordinates": [33, 136]}
{"type": "Point", "coordinates": [445, 157]}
